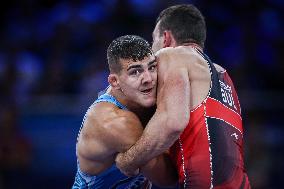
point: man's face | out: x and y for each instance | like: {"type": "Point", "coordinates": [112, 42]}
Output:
{"type": "Point", "coordinates": [138, 80]}
{"type": "Point", "coordinates": [157, 39]}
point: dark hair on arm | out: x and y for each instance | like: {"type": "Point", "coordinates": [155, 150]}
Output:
{"type": "Point", "coordinates": [186, 23]}
{"type": "Point", "coordinates": [127, 47]}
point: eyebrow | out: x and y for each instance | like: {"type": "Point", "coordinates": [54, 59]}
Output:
{"type": "Point", "coordinates": [139, 66]}
{"type": "Point", "coordinates": [134, 66]}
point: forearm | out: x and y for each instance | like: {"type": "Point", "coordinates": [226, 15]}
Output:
{"type": "Point", "coordinates": [156, 139]}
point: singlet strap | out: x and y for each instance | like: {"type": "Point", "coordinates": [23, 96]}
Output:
{"type": "Point", "coordinates": [214, 85]}
{"type": "Point", "coordinates": [209, 62]}
{"type": "Point", "coordinates": [109, 98]}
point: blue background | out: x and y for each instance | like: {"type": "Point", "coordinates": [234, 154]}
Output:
{"type": "Point", "coordinates": [53, 64]}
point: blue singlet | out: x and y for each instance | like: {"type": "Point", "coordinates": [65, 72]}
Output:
{"type": "Point", "coordinates": [112, 177]}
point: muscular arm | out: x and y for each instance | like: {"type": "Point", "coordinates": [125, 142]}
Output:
{"type": "Point", "coordinates": [101, 138]}
{"type": "Point", "coordinates": [107, 132]}
{"type": "Point", "coordinates": [169, 120]}
{"type": "Point", "coordinates": [116, 134]}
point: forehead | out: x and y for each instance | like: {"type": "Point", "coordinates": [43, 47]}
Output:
{"type": "Point", "coordinates": [126, 63]}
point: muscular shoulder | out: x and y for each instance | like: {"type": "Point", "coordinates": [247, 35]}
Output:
{"type": "Point", "coordinates": [173, 59]}
{"type": "Point", "coordinates": [109, 127]}
{"type": "Point", "coordinates": [176, 52]}
{"type": "Point", "coordinates": [180, 56]}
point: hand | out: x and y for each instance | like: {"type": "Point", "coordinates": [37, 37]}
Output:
{"type": "Point", "coordinates": [124, 166]}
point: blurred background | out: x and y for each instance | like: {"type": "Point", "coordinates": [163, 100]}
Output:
{"type": "Point", "coordinates": [53, 64]}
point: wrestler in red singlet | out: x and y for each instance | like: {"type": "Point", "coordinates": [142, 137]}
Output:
{"type": "Point", "coordinates": [198, 114]}
{"type": "Point", "coordinates": [210, 150]}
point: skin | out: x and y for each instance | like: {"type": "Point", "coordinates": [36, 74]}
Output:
{"type": "Point", "coordinates": [183, 83]}
{"type": "Point", "coordinates": [109, 130]}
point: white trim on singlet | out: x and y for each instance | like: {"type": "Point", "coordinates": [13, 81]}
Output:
{"type": "Point", "coordinates": [225, 122]}
{"type": "Point", "coordinates": [227, 107]}
{"type": "Point", "coordinates": [209, 142]}
{"type": "Point", "coordinates": [183, 163]}
{"type": "Point", "coordinates": [202, 103]}
{"type": "Point", "coordinates": [239, 103]}
{"type": "Point", "coordinates": [198, 106]}
{"type": "Point", "coordinates": [211, 86]}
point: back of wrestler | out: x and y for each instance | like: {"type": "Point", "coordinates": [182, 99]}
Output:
{"type": "Point", "coordinates": [209, 152]}
{"type": "Point", "coordinates": [209, 149]}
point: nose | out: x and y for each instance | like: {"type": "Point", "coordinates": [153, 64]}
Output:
{"type": "Point", "coordinates": [147, 77]}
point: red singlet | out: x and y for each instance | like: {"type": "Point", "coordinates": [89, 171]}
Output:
{"type": "Point", "coordinates": [209, 152]}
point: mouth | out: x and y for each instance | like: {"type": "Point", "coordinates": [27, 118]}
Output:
{"type": "Point", "coordinates": [147, 91]}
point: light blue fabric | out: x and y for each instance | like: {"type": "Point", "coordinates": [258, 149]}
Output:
{"type": "Point", "coordinates": [111, 178]}
{"type": "Point", "coordinates": [108, 98]}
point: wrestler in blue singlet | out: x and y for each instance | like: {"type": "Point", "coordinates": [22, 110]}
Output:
{"type": "Point", "coordinates": [112, 177]}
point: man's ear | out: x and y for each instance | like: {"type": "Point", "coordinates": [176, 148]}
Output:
{"type": "Point", "coordinates": [114, 81]}
{"type": "Point", "coordinates": [169, 40]}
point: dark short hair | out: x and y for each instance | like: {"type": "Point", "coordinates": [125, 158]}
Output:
{"type": "Point", "coordinates": [127, 47]}
{"type": "Point", "coordinates": [186, 23]}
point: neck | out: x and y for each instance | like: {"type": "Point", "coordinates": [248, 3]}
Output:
{"type": "Point", "coordinates": [143, 113]}
{"type": "Point", "coordinates": [193, 45]}
{"type": "Point", "coordinates": [118, 94]}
